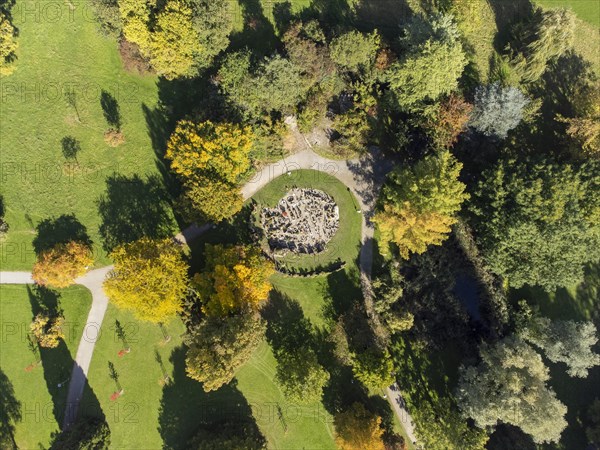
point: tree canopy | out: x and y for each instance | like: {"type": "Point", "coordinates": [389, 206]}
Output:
{"type": "Point", "coordinates": [234, 278]}
{"type": "Point", "coordinates": [358, 429]}
{"type": "Point", "coordinates": [8, 44]}
{"type": "Point", "coordinates": [497, 109]}
{"type": "Point", "coordinates": [432, 64]}
{"type": "Point", "coordinates": [300, 376]}
{"type": "Point", "coordinates": [565, 341]}
{"type": "Point", "coordinates": [149, 278]}
{"type": "Point", "coordinates": [210, 159]}
{"type": "Point", "coordinates": [509, 385]}
{"type": "Point", "coordinates": [59, 266]}
{"type": "Point", "coordinates": [355, 51]}
{"type": "Point", "coordinates": [218, 347]}
{"type": "Point", "coordinates": [539, 223]}
{"type": "Point", "coordinates": [179, 37]}
{"type": "Point", "coordinates": [419, 203]}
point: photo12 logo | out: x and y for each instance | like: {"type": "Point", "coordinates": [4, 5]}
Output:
{"type": "Point", "coordinates": [51, 11]}
{"type": "Point", "coordinates": [57, 172]}
{"type": "Point", "coordinates": [72, 92]}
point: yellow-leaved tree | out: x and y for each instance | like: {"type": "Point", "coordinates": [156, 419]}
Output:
{"type": "Point", "coordinates": [149, 278]}
{"type": "Point", "coordinates": [418, 204]}
{"type": "Point", "coordinates": [210, 160]}
{"type": "Point", "coordinates": [234, 279]}
{"type": "Point", "coordinates": [178, 37]}
{"type": "Point", "coordinates": [48, 330]}
{"type": "Point", "coordinates": [358, 429]}
{"type": "Point", "coordinates": [59, 266]}
{"type": "Point", "coordinates": [8, 44]}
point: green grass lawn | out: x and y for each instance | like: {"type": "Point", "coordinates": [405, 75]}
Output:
{"type": "Point", "coordinates": [37, 181]}
{"type": "Point", "coordinates": [42, 402]}
{"type": "Point", "coordinates": [345, 243]}
{"type": "Point", "coordinates": [151, 414]}
{"type": "Point", "coordinates": [587, 29]}
{"type": "Point", "coordinates": [587, 10]}
{"type": "Point", "coordinates": [135, 417]}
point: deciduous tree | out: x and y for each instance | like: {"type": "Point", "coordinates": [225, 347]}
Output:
{"type": "Point", "coordinates": [59, 266]}
{"type": "Point", "coordinates": [300, 376]}
{"type": "Point", "coordinates": [88, 433]}
{"type": "Point", "coordinates": [432, 64]}
{"type": "Point", "coordinates": [218, 347]}
{"type": "Point", "coordinates": [584, 125]}
{"type": "Point", "coordinates": [149, 278]}
{"type": "Point", "coordinates": [8, 44]}
{"type": "Point", "coordinates": [234, 278]}
{"type": "Point", "coordinates": [48, 330]}
{"type": "Point", "coordinates": [565, 341]}
{"type": "Point", "coordinates": [539, 223]}
{"type": "Point", "coordinates": [549, 35]}
{"type": "Point", "coordinates": [206, 149]}
{"type": "Point", "coordinates": [179, 37]}
{"type": "Point", "coordinates": [450, 121]}
{"type": "Point", "coordinates": [419, 204]}
{"type": "Point", "coordinates": [373, 368]}
{"type": "Point", "coordinates": [355, 51]}
{"type": "Point", "coordinates": [274, 85]}
{"type": "Point", "coordinates": [210, 159]}
{"type": "Point", "coordinates": [358, 429]}
{"type": "Point", "coordinates": [509, 385]}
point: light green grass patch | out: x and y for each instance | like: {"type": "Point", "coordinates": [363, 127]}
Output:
{"type": "Point", "coordinates": [133, 418]}
{"type": "Point", "coordinates": [57, 56]}
{"type": "Point", "coordinates": [42, 402]}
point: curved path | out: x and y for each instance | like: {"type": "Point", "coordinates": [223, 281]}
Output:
{"type": "Point", "coordinates": [363, 177]}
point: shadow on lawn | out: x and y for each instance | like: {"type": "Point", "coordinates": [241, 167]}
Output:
{"type": "Point", "coordinates": [133, 208]}
{"type": "Point", "coordinates": [59, 230]}
{"type": "Point", "coordinates": [185, 409]}
{"type": "Point", "coordinates": [57, 362]}
{"type": "Point", "coordinates": [10, 413]}
{"type": "Point", "coordinates": [258, 34]}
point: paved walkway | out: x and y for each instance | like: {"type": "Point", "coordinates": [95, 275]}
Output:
{"type": "Point", "coordinates": [363, 177]}
{"type": "Point", "coordinates": [399, 406]}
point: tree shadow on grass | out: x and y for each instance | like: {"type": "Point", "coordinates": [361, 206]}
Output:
{"type": "Point", "coordinates": [57, 362]}
{"type": "Point", "coordinates": [10, 413]}
{"type": "Point", "coordinates": [185, 407]}
{"type": "Point", "coordinates": [70, 147]}
{"type": "Point", "coordinates": [59, 230]}
{"type": "Point", "coordinates": [133, 208]}
{"type": "Point", "coordinates": [258, 34]}
{"type": "Point", "coordinates": [507, 14]}
{"type": "Point", "coordinates": [287, 328]}
{"type": "Point", "coordinates": [110, 109]}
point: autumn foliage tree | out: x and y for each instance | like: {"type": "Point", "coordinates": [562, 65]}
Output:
{"type": "Point", "coordinates": [218, 347]}
{"type": "Point", "coordinates": [149, 278]}
{"type": "Point", "coordinates": [358, 429]}
{"type": "Point", "coordinates": [59, 266]}
{"type": "Point", "coordinates": [48, 329]}
{"type": "Point", "coordinates": [583, 126]}
{"type": "Point", "coordinates": [419, 203]}
{"type": "Point", "coordinates": [8, 44]}
{"type": "Point", "coordinates": [450, 120]}
{"type": "Point", "coordinates": [210, 159]}
{"type": "Point", "coordinates": [234, 279]}
{"type": "Point", "coordinates": [178, 37]}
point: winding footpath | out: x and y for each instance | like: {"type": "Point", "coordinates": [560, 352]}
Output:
{"type": "Point", "coordinates": [363, 177]}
